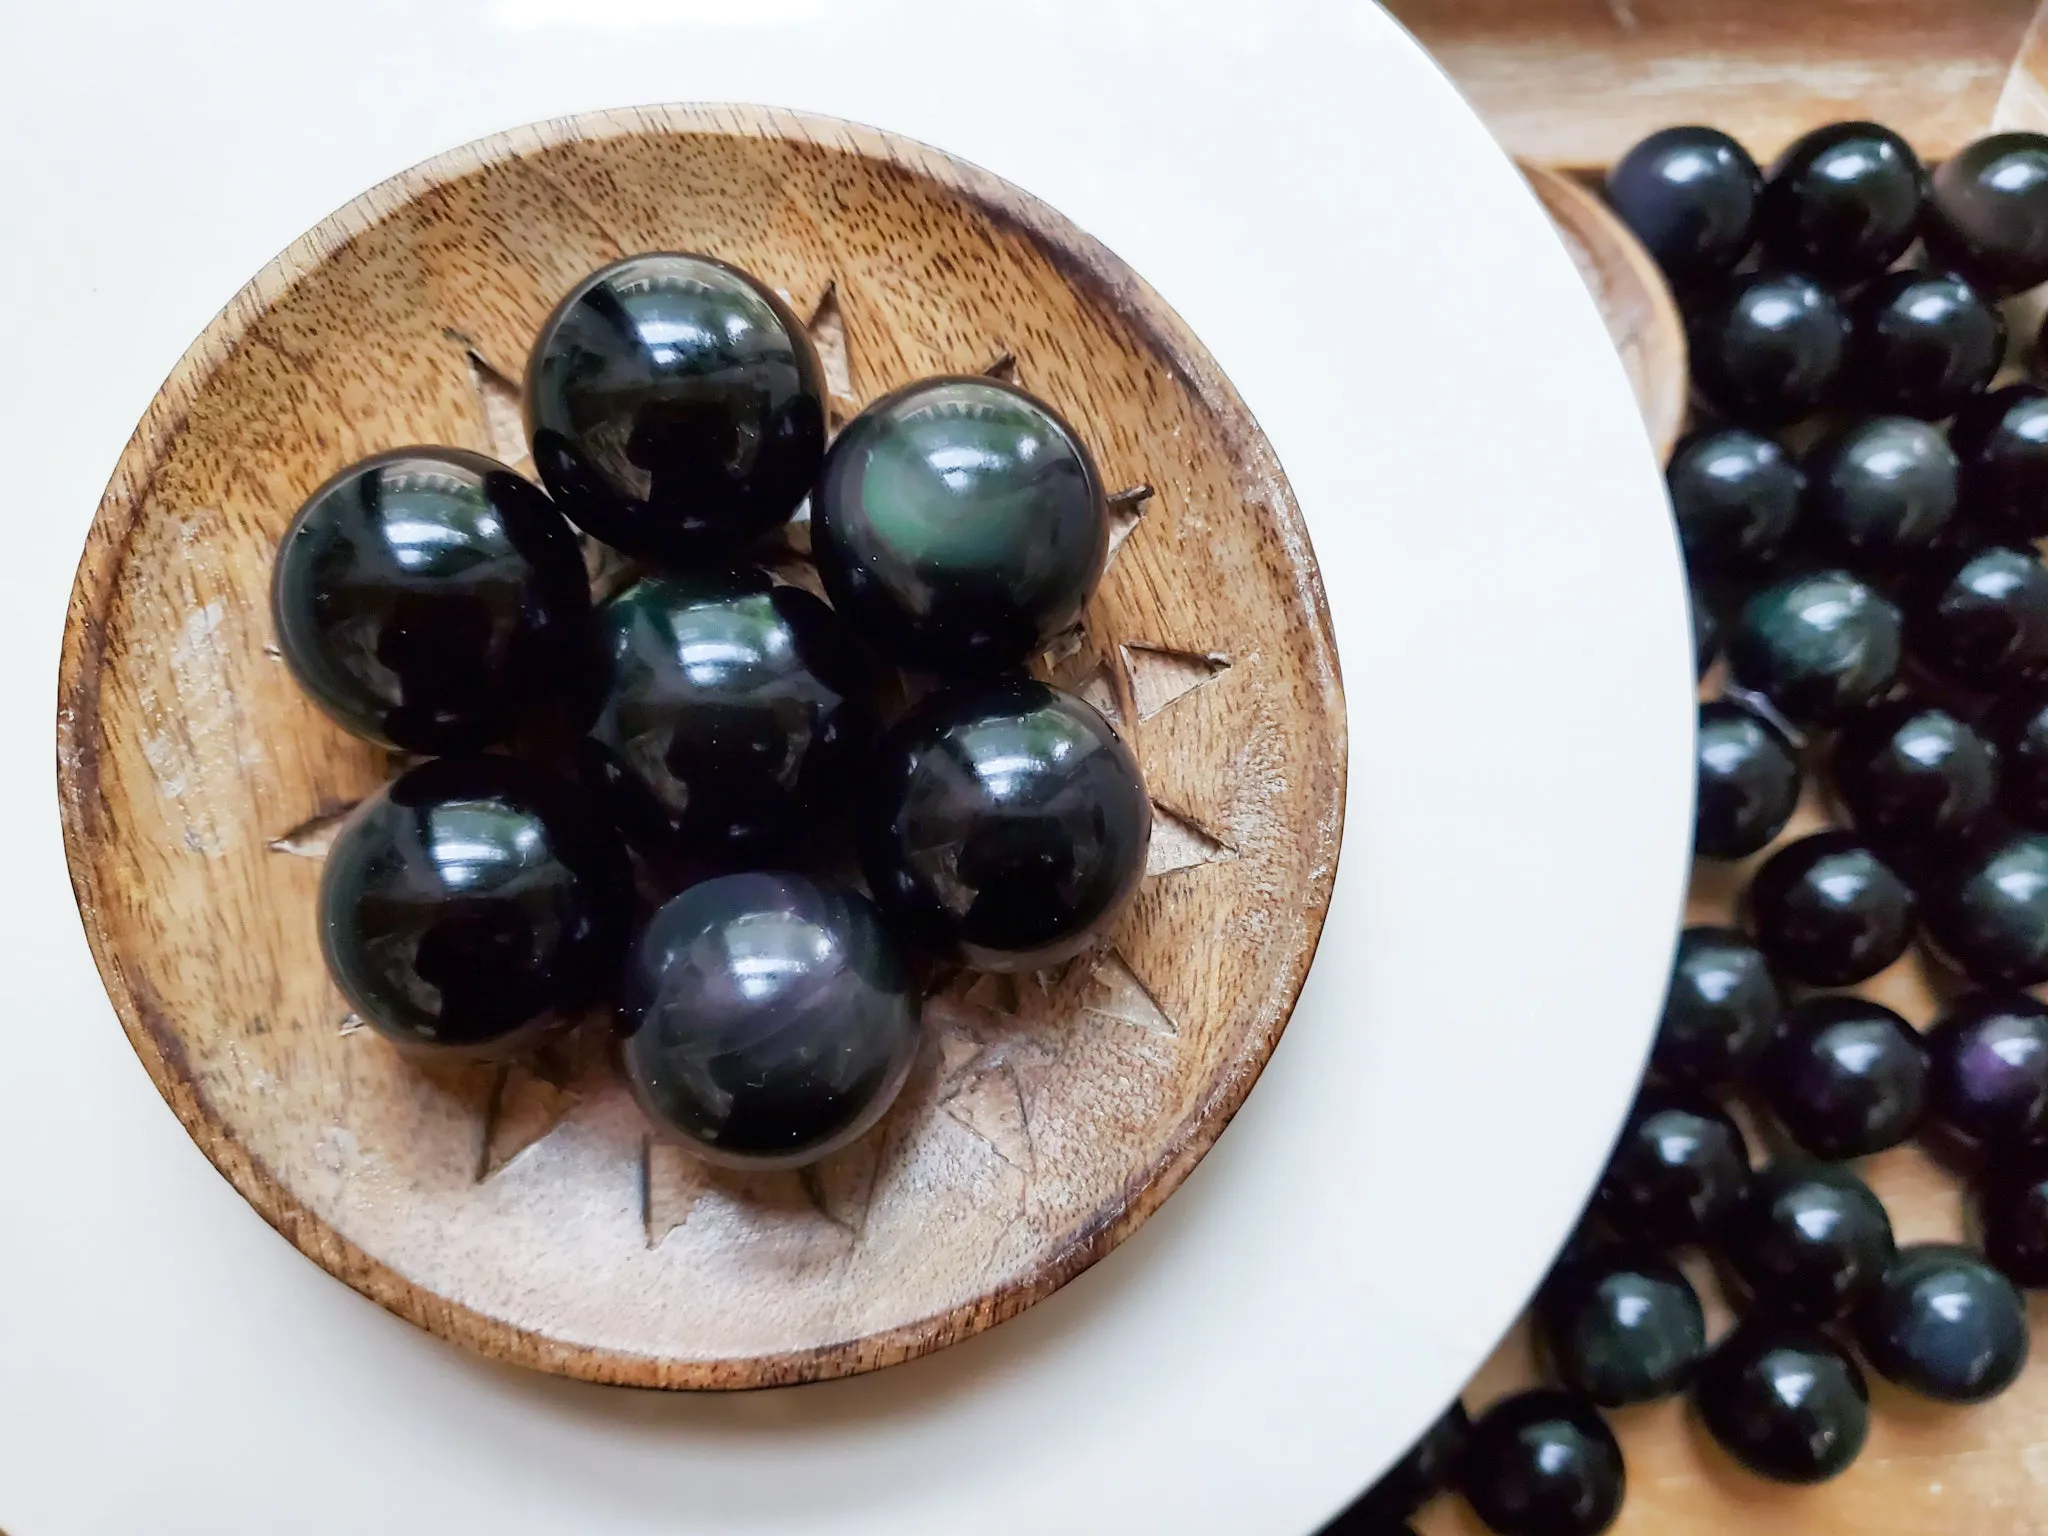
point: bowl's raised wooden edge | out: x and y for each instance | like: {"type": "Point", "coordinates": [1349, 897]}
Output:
{"type": "Point", "coordinates": [156, 1041]}
{"type": "Point", "coordinates": [1635, 301]}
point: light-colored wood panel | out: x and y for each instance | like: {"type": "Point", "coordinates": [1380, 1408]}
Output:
{"type": "Point", "coordinates": [1575, 82]}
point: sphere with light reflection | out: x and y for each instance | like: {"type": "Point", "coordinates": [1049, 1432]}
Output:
{"type": "Point", "coordinates": [431, 599]}
{"type": "Point", "coordinates": [766, 1018]}
{"type": "Point", "coordinates": [960, 525]}
{"type": "Point", "coordinates": [676, 407]}
{"type": "Point", "coordinates": [1006, 826]}
{"type": "Point", "coordinates": [473, 904]}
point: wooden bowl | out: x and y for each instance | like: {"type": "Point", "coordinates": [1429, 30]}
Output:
{"type": "Point", "coordinates": [1635, 302]}
{"type": "Point", "coordinates": [522, 1210]}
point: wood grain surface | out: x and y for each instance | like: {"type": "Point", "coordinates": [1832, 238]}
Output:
{"type": "Point", "coordinates": [522, 1210]}
{"type": "Point", "coordinates": [1579, 83]}
{"type": "Point", "coordinates": [1576, 82]}
{"type": "Point", "coordinates": [1634, 301]}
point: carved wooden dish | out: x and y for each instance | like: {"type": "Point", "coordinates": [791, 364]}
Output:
{"type": "Point", "coordinates": [1635, 302]}
{"type": "Point", "coordinates": [522, 1210]}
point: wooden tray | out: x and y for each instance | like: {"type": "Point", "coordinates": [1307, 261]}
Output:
{"type": "Point", "coordinates": [1570, 85]}
{"type": "Point", "coordinates": [522, 1210]}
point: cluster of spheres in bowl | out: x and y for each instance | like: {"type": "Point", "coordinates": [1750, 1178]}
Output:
{"type": "Point", "coordinates": [1858, 504]}
{"type": "Point", "coordinates": [669, 799]}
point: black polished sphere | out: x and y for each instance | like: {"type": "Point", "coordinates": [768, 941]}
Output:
{"type": "Point", "coordinates": [1987, 908]}
{"type": "Point", "coordinates": [1783, 1399]}
{"type": "Point", "coordinates": [1828, 911]}
{"type": "Point", "coordinates": [1768, 347]}
{"type": "Point", "coordinates": [676, 406]}
{"type": "Point", "coordinates": [1988, 1068]}
{"type": "Point", "coordinates": [1845, 1076]}
{"type": "Point", "coordinates": [1691, 196]}
{"type": "Point", "coordinates": [1542, 1463]}
{"type": "Point", "coordinates": [1006, 825]}
{"type": "Point", "coordinates": [2018, 732]}
{"type": "Point", "coordinates": [431, 599]}
{"type": "Point", "coordinates": [1808, 1240]}
{"type": "Point", "coordinates": [1621, 1325]}
{"type": "Point", "coordinates": [2001, 444]}
{"type": "Point", "coordinates": [1735, 495]}
{"type": "Point", "coordinates": [766, 1018]}
{"type": "Point", "coordinates": [734, 719]}
{"type": "Point", "coordinates": [1676, 1172]}
{"type": "Point", "coordinates": [1988, 216]}
{"type": "Point", "coordinates": [1706, 634]}
{"type": "Point", "coordinates": [2012, 1210]}
{"type": "Point", "coordinates": [1419, 1476]}
{"type": "Point", "coordinates": [960, 524]}
{"type": "Point", "coordinates": [1749, 782]}
{"type": "Point", "coordinates": [1820, 646]}
{"type": "Point", "coordinates": [1720, 1012]}
{"type": "Point", "coordinates": [1910, 773]}
{"type": "Point", "coordinates": [1927, 343]}
{"type": "Point", "coordinates": [1843, 202]}
{"type": "Point", "coordinates": [1882, 487]}
{"type": "Point", "coordinates": [472, 904]}
{"type": "Point", "coordinates": [1980, 618]}
{"type": "Point", "coordinates": [1945, 1324]}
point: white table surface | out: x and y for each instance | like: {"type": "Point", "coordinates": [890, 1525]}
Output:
{"type": "Point", "coordinates": [1311, 194]}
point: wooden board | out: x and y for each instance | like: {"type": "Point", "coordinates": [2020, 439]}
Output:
{"type": "Point", "coordinates": [1575, 82]}
{"type": "Point", "coordinates": [523, 1210]}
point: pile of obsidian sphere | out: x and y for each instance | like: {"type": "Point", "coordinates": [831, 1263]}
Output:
{"type": "Point", "coordinates": [1858, 505]}
{"type": "Point", "coordinates": [668, 798]}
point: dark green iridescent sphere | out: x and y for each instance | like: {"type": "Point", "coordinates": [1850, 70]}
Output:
{"type": "Point", "coordinates": [1882, 487]}
{"type": "Point", "coordinates": [1735, 495]}
{"type": "Point", "coordinates": [1988, 217]}
{"type": "Point", "coordinates": [1622, 1326]}
{"type": "Point", "coordinates": [1543, 1463]}
{"type": "Point", "coordinates": [1005, 826]}
{"type": "Point", "coordinates": [1830, 912]}
{"type": "Point", "coordinates": [1808, 1239]}
{"type": "Point", "coordinates": [1945, 1324]}
{"type": "Point", "coordinates": [431, 599]}
{"type": "Point", "coordinates": [1820, 646]}
{"type": "Point", "coordinates": [1784, 1399]}
{"type": "Point", "coordinates": [960, 524]}
{"type": "Point", "coordinates": [472, 904]}
{"type": "Point", "coordinates": [734, 717]}
{"type": "Point", "coordinates": [2002, 443]}
{"type": "Point", "coordinates": [676, 405]}
{"type": "Point", "coordinates": [1845, 1076]}
{"type": "Point", "coordinates": [1721, 1010]}
{"type": "Point", "coordinates": [1843, 202]}
{"type": "Point", "coordinates": [1676, 1171]}
{"type": "Point", "coordinates": [1749, 781]}
{"type": "Point", "coordinates": [1987, 907]}
{"type": "Point", "coordinates": [1768, 348]}
{"type": "Point", "coordinates": [1914, 775]}
{"type": "Point", "coordinates": [1980, 618]}
{"type": "Point", "coordinates": [1926, 344]}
